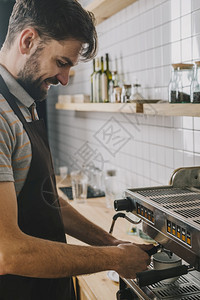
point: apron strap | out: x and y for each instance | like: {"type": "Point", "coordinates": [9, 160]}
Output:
{"type": "Point", "coordinates": [11, 99]}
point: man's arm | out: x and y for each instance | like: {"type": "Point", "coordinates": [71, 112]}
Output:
{"type": "Point", "coordinates": [24, 255]}
{"type": "Point", "coordinates": [92, 234]}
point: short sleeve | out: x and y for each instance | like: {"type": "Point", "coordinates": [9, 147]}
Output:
{"type": "Point", "coordinates": [6, 148]}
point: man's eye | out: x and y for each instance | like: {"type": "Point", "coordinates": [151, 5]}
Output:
{"type": "Point", "coordinates": [61, 64]}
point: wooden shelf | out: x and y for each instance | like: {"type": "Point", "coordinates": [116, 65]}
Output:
{"type": "Point", "coordinates": [104, 9]}
{"type": "Point", "coordinates": [162, 109]}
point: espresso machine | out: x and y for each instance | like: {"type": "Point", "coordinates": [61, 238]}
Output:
{"type": "Point", "coordinates": [170, 215]}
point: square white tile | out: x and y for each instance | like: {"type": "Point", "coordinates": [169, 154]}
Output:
{"type": "Point", "coordinates": [186, 49]}
{"type": "Point", "coordinates": [195, 4]}
{"type": "Point", "coordinates": [166, 11]}
{"type": "Point", "coordinates": [197, 141]}
{"type": "Point", "coordinates": [178, 158]}
{"type": "Point", "coordinates": [186, 7]}
{"type": "Point", "coordinates": [196, 47]}
{"type": "Point", "coordinates": [176, 52]}
{"type": "Point", "coordinates": [188, 140]}
{"type": "Point", "coordinates": [188, 159]}
{"type": "Point", "coordinates": [187, 122]}
{"type": "Point", "coordinates": [169, 137]}
{"type": "Point", "coordinates": [169, 157]}
{"type": "Point", "coordinates": [158, 36]}
{"type": "Point", "coordinates": [178, 139]}
{"type": "Point", "coordinates": [196, 22]}
{"type": "Point", "coordinates": [166, 33]}
{"type": "Point", "coordinates": [197, 159]}
{"type": "Point", "coordinates": [175, 9]}
{"type": "Point", "coordinates": [157, 15]}
{"type": "Point", "coordinates": [167, 55]}
{"type": "Point", "coordinates": [186, 26]}
{"type": "Point", "coordinates": [196, 123]}
{"type": "Point", "coordinates": [175, 30]}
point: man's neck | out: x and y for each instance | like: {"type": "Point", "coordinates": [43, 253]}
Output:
{"type": "Point", "coordinates": [6, 62]}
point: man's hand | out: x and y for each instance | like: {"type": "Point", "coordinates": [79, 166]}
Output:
{"type": "Point", "coordinates": [144, 247]}
{"type": "Point", "coordinates": [133, 259]}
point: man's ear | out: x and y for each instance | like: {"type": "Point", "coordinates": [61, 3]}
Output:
{"type": "Point", "coordinates": [28, 39]}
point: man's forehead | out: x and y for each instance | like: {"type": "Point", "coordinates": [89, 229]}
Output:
{"type": "Point", "coordinates": [68, 50]}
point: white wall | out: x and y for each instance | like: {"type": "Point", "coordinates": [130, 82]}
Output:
{"type": "Point", "coordinates": [142, 40]}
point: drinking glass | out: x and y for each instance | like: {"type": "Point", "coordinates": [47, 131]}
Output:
{"type": "Point", "coordinates": [79, 182]}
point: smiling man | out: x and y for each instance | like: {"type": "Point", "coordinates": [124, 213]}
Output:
{"type": "Point", "coordinates": [45, 39]}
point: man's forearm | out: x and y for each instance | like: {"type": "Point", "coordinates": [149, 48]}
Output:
{"type": "Point", "coordinates": [81, 228]}
{"type": "Point", "coordinates": [33, 257]}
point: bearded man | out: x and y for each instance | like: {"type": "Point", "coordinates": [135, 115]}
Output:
{"type": "Point", "coordinates": [45, 39]}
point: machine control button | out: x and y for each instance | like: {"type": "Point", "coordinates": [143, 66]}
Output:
{"type": "Point", "coordinates": [178, 232]}
{"type": "Point", "coordinates": [183, 235]}
{"type": "Point", "coordinates": [142, 211]}
{"type": "Point", "coordinates": [138, 209]}
{"type": "Point", "coordinates": [169, 226]}
{"type": "Point", "coordinates": [173, 229]}
{"type": "Point", "coordinates": [188, 238]}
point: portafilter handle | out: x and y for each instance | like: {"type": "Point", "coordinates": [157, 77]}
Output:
{"type": "Point", "coordinates": [154, 250]}
{"type": "Point", "coordinates": [150, 277]}
{"type": "Point", "coordinates": [158, 248]}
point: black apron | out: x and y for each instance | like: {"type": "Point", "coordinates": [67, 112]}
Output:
{"type": "Point", "coordinates": [38, 214]}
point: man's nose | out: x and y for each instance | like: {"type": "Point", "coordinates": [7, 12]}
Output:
{"type": "Point", "coordinates": [63, 77]}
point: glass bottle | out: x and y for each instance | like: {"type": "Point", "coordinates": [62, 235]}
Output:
{"type": "Point", "coordinates": [195, 85]}
{"type": "Point", "coordinates": [97, 80]}
{"type": "Point", "coordinates": [112, 85]}
{"type": "Point", "coordinates": [108, 75]}
{"type": "Point", "coordinates": [117, 94]}
{"type": "Point", "coordinates": [92, 80]}
{"type": "Point", "coordinates": [104, 83]}
{"type": "Point", "coordinates": [115, 79]}
{"type": "Point", "coordinates": [106, 78]}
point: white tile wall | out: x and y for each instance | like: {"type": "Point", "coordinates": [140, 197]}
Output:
{"type": "Point", "coordinates": [142, 40]}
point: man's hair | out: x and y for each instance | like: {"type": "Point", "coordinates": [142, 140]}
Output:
{"type": "Point", "coordinates": [54, 19]}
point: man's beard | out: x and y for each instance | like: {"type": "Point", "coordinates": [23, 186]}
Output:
{"type": "Point", "coordinates": [28, 79]}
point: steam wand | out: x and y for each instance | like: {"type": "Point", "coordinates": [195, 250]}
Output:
{"type": "Point", "coordinates": [155, 249]}
{"type": "Point", "coordinates": [121, 215]}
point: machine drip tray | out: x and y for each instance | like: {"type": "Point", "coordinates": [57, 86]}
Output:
{"type": "Point", "coordinates": [187, 287]}
{"type": "Point", "coordinates": [183, 288]}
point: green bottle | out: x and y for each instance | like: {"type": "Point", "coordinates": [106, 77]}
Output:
{"type": "Point", "coordinates": [92, 79]}
{"type": "Point", "coordinates": [106, 78]}
{"type": "Point", "coordinates": [97, 81]}
{"type": "Point", "coordinates": [108, 72]}
{"type": "Point", "coordinates": [104, 83]}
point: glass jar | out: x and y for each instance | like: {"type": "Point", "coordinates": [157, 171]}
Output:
{"type": "Point", "coordinates": [195, 85]}
{"type": "Point", "coordinates": [117, 94]}
{"type": "Point", "coordinates": [172, 88]}
{"type": "Point", "coordinates": [136, 92]}
{"type": "Point", "coordinates": [126, 93]}
{"type": "Point", "coordinates": [180, 83]}
{"type": "Point", "coordinates": [79, 182]}
{"type": "Point", "coordinates": [111, 187]}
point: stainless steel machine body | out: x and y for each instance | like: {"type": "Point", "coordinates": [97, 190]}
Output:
{"type": "Point", "coordinates": [171, 216]}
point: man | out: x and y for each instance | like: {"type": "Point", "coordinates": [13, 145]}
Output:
{"type": "Point", "coordinates": [45, 39]}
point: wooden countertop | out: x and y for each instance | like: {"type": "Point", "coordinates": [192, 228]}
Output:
{"type": "Point", "coordinates": [98, 286]}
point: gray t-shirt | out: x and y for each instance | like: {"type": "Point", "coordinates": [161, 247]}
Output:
{"type": "Point", "coordinates": [15, 146]}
